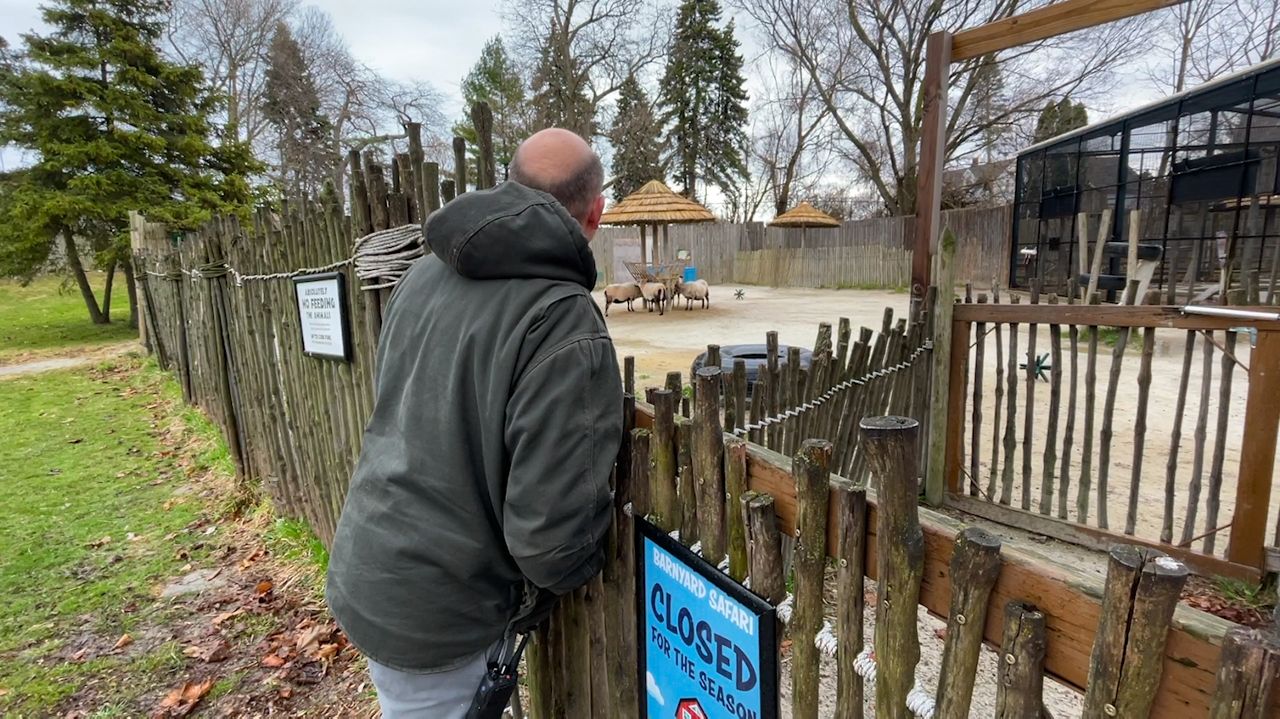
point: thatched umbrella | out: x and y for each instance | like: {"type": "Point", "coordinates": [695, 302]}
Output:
{"type": "Point", "coordinates": [804, 216]}
{"type": "Point", "coordinates": [655, 204]}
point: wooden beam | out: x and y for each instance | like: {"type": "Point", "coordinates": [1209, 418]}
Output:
{"type": "Point", "coordinates": [1098, 539]}
{"type": "Point", "coordinates": [949, 360]}
{"type": "Point", "coordinates": [933, 151]}
{"type": "Point", "coordinates": [1046, 22]}
{"type": "Point", "coordinates": [954, 420]}
{"type": "Point", "coordinates": [1257, 454]}
{"type": "Point", "coordinates": [1107, 316]}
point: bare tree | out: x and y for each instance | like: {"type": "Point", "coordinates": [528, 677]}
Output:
{"type": "Point", "coordinates": [865, 59]}
{"type": "Point", "coordinates": [362, 105]}
{"type": "Point", "coordinates": [791, 137]}
{"type": "Point", "coordinates": [228, 39]}
{"type": "Point", "coordinates": [1203, 39]}
{"type": "Point", "coordinates": [588, 47]}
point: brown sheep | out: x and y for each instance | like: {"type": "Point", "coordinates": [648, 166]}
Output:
{"type": "Point", "coordinates": [621, 293]}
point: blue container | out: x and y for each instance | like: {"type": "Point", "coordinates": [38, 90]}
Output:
{"type": "Point", "coordinates": [690, 274]}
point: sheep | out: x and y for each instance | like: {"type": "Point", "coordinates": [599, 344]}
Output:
{"type": "Point", "coordinates": [654, 293]}
{"type": "Point", "coordinates": [696, 290]}
{"type": "Point", "coordinates": [625, 292]}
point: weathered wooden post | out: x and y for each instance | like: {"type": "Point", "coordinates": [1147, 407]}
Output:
{"type": "Point", "coordinates": [640, 444]}
{"type": "Point", "coordinates": [431, 186]}
{"type": "Point", "coordinates": [664, 506]}
{"type": "Point", "coordinates": [708, 466]}
{"type": "Point", "coordinates": [448, 190]}
{"type": "Point", "coordinates": [416, 160]}
{"type": "Point", "coordinates": [764, 547]}
{"type": "Point", "coordinates": [975, 565]}
{"type": "Point", "coordinates": [620, 576]}
{"type": "Point", "coordinates": [482, 121]}
{"type": "Point", "coordinates": [1020, 692]}
{"type": "Point", "coordinates": [892, 447]}
{"type": "Point", "coordinates": [1139, 597]}
{"type": "Point", "coordinates": [459, 165]}
{"type": "Point", "coordinates": [812, 472]}
{"type": "Point", "coordinates": [1247, 673]}
{"type": "Point", "coordinates": [851, 514]}
{"type": "Point", "coordinates": [688, 495]}
{"type": "Point", "coordinates": [735, 479]}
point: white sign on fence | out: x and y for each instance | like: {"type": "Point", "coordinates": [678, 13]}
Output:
{"type": "Point", "coordinates": [322, 315]}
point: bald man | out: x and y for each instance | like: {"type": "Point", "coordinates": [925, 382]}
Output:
{"type": "Point", "coordinates": [482, 490]}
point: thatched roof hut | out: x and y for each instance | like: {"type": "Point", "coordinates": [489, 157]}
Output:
{"type": "Point", "coordinates": [804, 215]}
{"type": "Point", "coordinates": [655, 204]}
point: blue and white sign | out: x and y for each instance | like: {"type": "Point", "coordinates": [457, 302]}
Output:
{"type": "Point", "coordinates": [707, 646]}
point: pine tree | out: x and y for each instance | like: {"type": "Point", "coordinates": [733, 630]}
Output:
{"type": "Point", "coordinates": [703, 94]}
{"type": "Point", "coordinates": [560, 93]}
{"type": "Point", "coordinates": [495, 79]}
{"type": "Point", "coordinates": [111, 127]}
{"type": "Point", "coordinates": [291, 105]}
{"type": "Point", "coordinates": [637, 155]}
{"type": "Point", "coordinates": [1060, 117]}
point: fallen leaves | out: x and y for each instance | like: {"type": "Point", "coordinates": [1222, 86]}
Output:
{"type": "Point", "coordinates": [3, 692]}
{"type": "Point", "coordinates": [181, 700]}
{"type": "Point", "coordinates": [97, 544]}
{"type": "Point", "coordinates": [215, 650]}
{"type": "Point", "coordinates": [224, 616]}
{"type": "Point", "coordinates": [124, 641]}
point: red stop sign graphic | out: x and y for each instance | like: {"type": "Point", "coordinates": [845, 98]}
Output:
{"type": "Point", "coordinates": [690, 709]}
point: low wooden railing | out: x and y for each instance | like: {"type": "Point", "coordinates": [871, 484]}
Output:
{"type": "Point", "coordinates": [1048, 458]}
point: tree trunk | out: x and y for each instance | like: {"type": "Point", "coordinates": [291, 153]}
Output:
{"type": "Point", "coordinates": [106, 292]}
{"type": "Point", "coordinates": [131, 284]}
{"type": "Point", "coordinates": [77, 271]}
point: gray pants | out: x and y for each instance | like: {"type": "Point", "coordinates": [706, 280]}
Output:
{"type": "Point", "coordinates": [438, 695]}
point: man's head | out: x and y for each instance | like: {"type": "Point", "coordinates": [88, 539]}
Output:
{"type": "Point", "coordinates": [563, 165]}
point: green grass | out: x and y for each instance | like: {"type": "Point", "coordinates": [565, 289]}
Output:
{"type": "Point", "coordinates": [85, 458]}
{"type": "Point", "coordinates": [1249, 594]}
{"type": "Point", "coordinates": [46, 316]}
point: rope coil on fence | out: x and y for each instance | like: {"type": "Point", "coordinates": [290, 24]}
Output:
{"type": "Point", "coordinates": [381, 257]}
{"type": "Point", "coordinates": [830, 394]}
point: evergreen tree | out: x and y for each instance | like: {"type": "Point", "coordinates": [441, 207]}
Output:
{"type": "Point", "coordinates": [111, 127]}
{"type": "Point", "coordinates": [560, 93]}
{"type": "Point", "coordinates": [291, 105]}
{"type": "Point", "coordinates": [637, 156]}
{"type": "Point", "coordinates": [703, 94]}
{"type": "Point", "coordinates": [1060, 117]}
{"type": "Point", "coordinates": [495, 79]}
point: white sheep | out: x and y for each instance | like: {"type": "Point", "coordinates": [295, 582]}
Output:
{"type": "Point", "coordinates": [624, 292]}
{"type": "Point", "coordinates": [697, 290]}
{"type": "Point", "coordinates": [654, 293]}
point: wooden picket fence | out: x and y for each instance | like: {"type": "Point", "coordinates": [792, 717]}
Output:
{"type": "Point", "coordinates": [1124, 644]}
{"type": "Point", "coordinates": [1050, 435]}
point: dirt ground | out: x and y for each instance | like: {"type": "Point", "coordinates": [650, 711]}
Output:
{"type": "Point", "coordinates": [662, 344]}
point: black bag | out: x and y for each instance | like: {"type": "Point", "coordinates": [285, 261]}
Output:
{"type": "Point", "coordinates": [499, 683]}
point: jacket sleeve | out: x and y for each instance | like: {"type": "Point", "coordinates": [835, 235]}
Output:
{"type": "Point", "coordinates": [563, 429]}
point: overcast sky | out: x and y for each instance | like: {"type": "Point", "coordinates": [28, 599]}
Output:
{"type": "Point", "coordinates": [435, 40]}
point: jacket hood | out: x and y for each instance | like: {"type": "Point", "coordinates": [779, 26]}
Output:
{"type": "Point", "coordinates": [511, 232]}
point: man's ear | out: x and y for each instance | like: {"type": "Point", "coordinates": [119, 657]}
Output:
{"type": "Point", "coordinates": [593, 217]}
